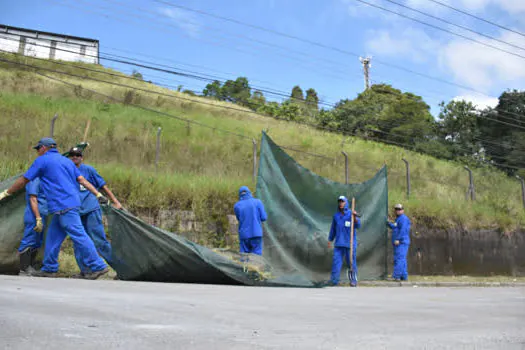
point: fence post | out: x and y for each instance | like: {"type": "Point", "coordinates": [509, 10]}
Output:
{"type": "Point", "coordinates": [157, 151]}
{"type": "Point", "coordinates": [346, 166]}
{"type": "Point", "coordinates": [188, 128]}
{"type": "Point", "coordinates": [522, 189]}
{"type": "Point", "coordinates": [471, 189]}
{"type": "Point", "coordinates": [52, 131]}
{"type": "Point", "coordinates": [408, 176]}
{"type": "Point", "coordinates": [254, 176]}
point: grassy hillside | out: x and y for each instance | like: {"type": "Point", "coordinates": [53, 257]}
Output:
{"type": "Point", "coordinates": [202, 168]}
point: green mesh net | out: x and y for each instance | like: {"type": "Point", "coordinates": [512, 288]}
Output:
{"type": "Point", "coordinates": [299, 204]}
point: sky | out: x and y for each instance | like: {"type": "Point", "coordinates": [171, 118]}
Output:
{"type": "Point", "coordinates": [313, 44]}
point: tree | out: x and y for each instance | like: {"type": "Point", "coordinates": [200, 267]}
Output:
{"type": "Point", "coordinates": [257, 100]}
{"type": "Point", "coordinates": [502, 130]}
{"type": "Point", "coordinates": [137, 75]}
{"type": "Point", "coordinates": [312, 101]}
{"type": "Point", "coordinates": [297, 94]}
{"type": "Point", "coordinates": [213, 90]}
{"type": "Point", "coordinates": [458, 128]}
{"type": "Point", "coordinates": [237, 91]}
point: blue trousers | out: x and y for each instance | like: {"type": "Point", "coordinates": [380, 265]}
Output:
{"type": "Point", "coordinates": [68, 223]}
{"type": "Point", "coordinates": [400, 262]}
{"type": "Point", "coordinates": [94, 227]}
{"type": "Point", "coordinates": [31, 238]}
{"type": "Point", "coordinates": [252, 245]}
{"type": "Point", "coordinates": [341, 253]}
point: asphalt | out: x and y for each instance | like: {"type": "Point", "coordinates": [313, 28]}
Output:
{"type": "Point", "coordinates": [76, 314]}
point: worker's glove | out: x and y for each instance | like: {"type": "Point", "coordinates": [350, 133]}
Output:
{"type": "Point", "coordinates": [39, 225]}
{"type": "Point", "coordinates": [4, 194]}
{"type": "Point", "coordinates": [102, 199]}
{"type": "Point", "coordinates": [396, 242]}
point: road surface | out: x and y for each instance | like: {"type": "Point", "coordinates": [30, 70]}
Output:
{"type": "Point", "coordinates": [76, 314]}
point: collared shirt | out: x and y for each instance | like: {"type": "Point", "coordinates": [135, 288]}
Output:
{"type": "Point", "coordinates": [88, 201]}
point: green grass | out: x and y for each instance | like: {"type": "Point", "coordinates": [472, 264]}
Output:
{"type": "Point", "coordinates": [202, 170]}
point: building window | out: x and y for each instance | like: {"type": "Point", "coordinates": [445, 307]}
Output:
{"type": "Point", "coordinates": [22, 46]}
{"type": "Point", "coordinates": [82, 50]}
{"type": "Point", "coordinates": [53, 50]}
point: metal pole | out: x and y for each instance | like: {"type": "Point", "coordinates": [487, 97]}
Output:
{"type": "Point", "coordinates": [254, 176]}
{"type": "Point", "coordinates": [408, 176]}
{"type": "Point", "coordinates": [471, 189]}
{"type": "Point", "coordinates": [157, 152]}
{"type": "Point", "coordinates": [522, 189]}
{"type": "Point", "coordinates": [52, 131]}
{"type": "Point", "coordinates": [346, 166]}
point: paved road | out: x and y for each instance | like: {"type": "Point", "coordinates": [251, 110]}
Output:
{"type": "Point", "coordinates": [74, 314]}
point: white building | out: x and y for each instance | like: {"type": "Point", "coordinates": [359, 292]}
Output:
{"type": "Point", "coordinates": [47, 45]}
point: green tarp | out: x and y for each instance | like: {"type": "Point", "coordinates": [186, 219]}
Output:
{"type": "Point", "coordinates": [299, 204]}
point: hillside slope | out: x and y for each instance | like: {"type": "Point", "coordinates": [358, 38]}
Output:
{"type": "Point", "coordinates": [201, 168]}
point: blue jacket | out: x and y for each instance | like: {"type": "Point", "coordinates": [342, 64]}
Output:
{"type": "Point", "coordinates": [250, 214]}
{"type": "Point", "coordinates": [58, 180]}
{"type": "Point", "coordinates": [88, 200]}
{"type": "Point", "coordinates": [340, 229]}
{"type": "Point", "coordinates": [33, 189]}
{"type": "Point", "coordinates": [401, 229]}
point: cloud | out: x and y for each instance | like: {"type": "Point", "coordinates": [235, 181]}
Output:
{"type": "Point", "coordinates": [410, 43]}
{"type": "Point", "coordinates": [480, 102]}
{"type": "Point", "coordinates": [185, 20]}
{"type": "Point", "coordinates": [481, 67]}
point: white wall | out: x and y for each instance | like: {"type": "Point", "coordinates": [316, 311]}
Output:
{"type": "Point", "coordinates": [41, 47]}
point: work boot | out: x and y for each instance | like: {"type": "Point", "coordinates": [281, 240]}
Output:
{"type": "Point", "coordinates": [34, 253]}
{"type": "Point", "coordinates": [80, 275]}
{"type": "Point", "coordinates": [95, 275]}
{"type": "Point", "coordinates": [41, 273]}
{"type": "Point", "coordinates": [25, 263]}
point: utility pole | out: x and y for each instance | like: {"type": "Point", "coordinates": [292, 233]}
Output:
{"type": "Point", "coordinates": [366, 69]}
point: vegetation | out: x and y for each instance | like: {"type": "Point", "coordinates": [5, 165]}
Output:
{"type": "Point", "coordinates": [201, 168]}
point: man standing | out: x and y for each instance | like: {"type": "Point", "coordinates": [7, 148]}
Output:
{"type": "Point", "coordinates": [90, 212]}
{"type": "Point", "coordinates": [59, 180]}
{"type": "Point", "coordinates": [34, 225]}
{"type": "Point", "coordinates": [250, 214]}
{"type": "Point", "coordinates": [400, 242]}
{"type": "Point", "coordinates": [340, 232]}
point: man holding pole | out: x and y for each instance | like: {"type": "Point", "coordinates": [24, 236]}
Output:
{"type": "Point", "coordinates": [344, 222]}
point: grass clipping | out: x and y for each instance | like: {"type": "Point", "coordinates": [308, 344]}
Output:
{"type": "Point", "coordinates": [253, 265]}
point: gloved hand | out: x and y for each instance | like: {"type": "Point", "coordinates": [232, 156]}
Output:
{"type": "Point", "coordinates": [396, 242]}
{"type": "Point", "coordinates": [102, 199]}
{"type": "Point", "coordinates": [39, 225]}
{"type": "Point", "coordinates": [4, 195]}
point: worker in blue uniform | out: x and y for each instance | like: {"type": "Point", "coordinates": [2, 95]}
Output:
{"type": "Point", "coordinates": [35, 216]}
{"type": "Point", "coordinates": [90, 211]}
{"type": "Point", "coordinates": [59, 179]}
{"type": "Point", "coordinates": [250, 214]}
{"type": "Point", "coordinates": [340, 232]}
{"type": "Point", "coordinates": [400, 242]}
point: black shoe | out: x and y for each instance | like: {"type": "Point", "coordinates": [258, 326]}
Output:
{"type": "Point", "coordinates": [96, 274]}
{"type": "Point", "coordinates": [28, 272]}
{"type": "Point", "coordinates": [41, 273]}
{"type": "Point", "coordinates": [78, 275]}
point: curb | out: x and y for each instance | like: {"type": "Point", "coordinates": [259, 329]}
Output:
{"type": "Point", "coordinates": [440, 284]}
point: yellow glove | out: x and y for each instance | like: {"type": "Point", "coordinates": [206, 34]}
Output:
{"type": "Point", "coordinates": [102, 199]}
{"type": "Point", "coordinates": [4, 195]}
{"type": "Point", "coordinates": [39, 225]}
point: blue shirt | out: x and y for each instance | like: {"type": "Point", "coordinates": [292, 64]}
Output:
{"type": "Point", "coordinates": [340, 229]}
{"type": "Point", "coordinates": [33, 189]}
{"type": "Point", "coordinates": [58, 180]}
{"type": "Point", "coordinates": [88, 201]}
{"type": "Point", "coordinates": [250, 214]}
{"type": "Point", "coordinates": [401, 229]}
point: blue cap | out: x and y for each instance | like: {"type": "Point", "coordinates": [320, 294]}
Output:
{"type": "Point", "coordinates": [46, 141]}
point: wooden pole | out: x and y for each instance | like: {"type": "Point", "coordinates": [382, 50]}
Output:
{"type": "Point", "coordinates": [352, 238]}
{"type": "Point", "coordinates": [86, 131]}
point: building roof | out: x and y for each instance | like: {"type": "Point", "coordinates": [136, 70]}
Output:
{"type": "Point", "coordinates": [5, 29]}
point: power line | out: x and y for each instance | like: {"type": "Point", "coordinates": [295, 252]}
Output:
{"type": "Point", "coordinates": [477, 17]}
{"type": "Point", "coordinates": [440, 28]}
{"type": "Point", "coordinates": [318, 44]}
{"type": "Point", "coordinates": [454, 24]}
{"type": "Point", "coordinates": [198, 123]}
